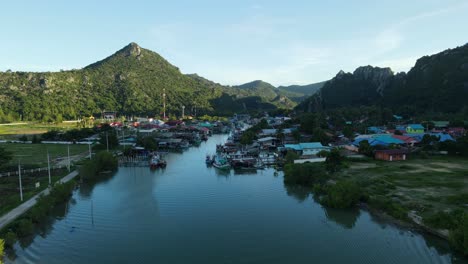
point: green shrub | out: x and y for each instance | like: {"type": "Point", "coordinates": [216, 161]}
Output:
{"type": "Point", "coordinates": [343, 194]}
{"type": "Point", "coordinates": [390, 207]}
{"type": "Point", "coordinates": [2, 246]}
{"type": "Point", "coordinates": [10, 239]}
{"type": "Point", "coordinates": [306, 174]}
{"type": "Point", "coordinates": [459, 236]}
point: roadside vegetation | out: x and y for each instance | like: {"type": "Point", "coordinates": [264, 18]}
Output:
{"type": "Point", "coordinates": [2, 246]}
{"type": "Point", "coordinates": [26, 224]}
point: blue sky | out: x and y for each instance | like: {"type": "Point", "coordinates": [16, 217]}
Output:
{"type": "Point", "coordinates": [233, 42]}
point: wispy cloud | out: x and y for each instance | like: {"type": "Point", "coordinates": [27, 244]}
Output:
{"type": "Point", "coordinates": [432, 13]}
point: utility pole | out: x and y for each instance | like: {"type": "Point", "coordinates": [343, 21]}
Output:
{"type": "Point", "coordinates": [107, 141]}
{"type": "Point", "coordinates": [48, 168]}
{"type": "Point", "coordinates": [20, 183]}
{"type": "Point", "coordinates": [164, 104]}
{"type": "Point", "coordinates": [89, 147]}
{"type": "Point", "coordinates": [68, 147]}
{"type": "Point", "coordinates": [183, 111]}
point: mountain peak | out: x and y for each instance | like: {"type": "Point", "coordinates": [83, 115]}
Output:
{"type": "Point", "coordinates": [132, 49]}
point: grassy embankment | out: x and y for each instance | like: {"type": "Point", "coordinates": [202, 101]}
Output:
{"type": "Point", "coordinates": [432, 192]}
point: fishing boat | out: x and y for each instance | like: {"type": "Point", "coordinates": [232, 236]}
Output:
{"type": "Point", "coordinates": [249, 163]}
{"type": "Point", "coordinates": [157, 162]}
{"type": "Point", "coordinates": [221, 163]}
{"type": "Point", "coordinates": [184, 144]}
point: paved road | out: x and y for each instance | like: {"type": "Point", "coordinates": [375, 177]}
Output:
{"type": "Point", "coordinates": [22, 208]}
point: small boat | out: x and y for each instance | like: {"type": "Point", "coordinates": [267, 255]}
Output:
{"type": "Point", "coordinates": [157, 162]}
{"type": "Point", "coordinates": [221, 163]}
{"type": "Point", "coordinates": [184, 144]}
{"type": "Point", "coordinates": [209, 160]}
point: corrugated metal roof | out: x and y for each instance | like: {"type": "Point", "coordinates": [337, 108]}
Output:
{"type": "Point", "coordinates": [311, 145]}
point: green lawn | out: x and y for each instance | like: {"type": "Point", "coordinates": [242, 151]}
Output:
{"type": "Point", "coordinates": [15, 130]}
{"type": "Point", "coordinates": [36, 154]}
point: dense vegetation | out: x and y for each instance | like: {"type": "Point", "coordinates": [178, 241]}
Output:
{"type": "Point", "coordinates": [2, 244]}
{"type": "Point", "coordinates": [102, 163]}
{"type": "Point", "coordinates": [436, 84]}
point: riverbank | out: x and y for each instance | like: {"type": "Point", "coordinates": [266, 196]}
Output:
{"type": "Point", "coordinates": [24, 207]}
{"type": "Point", "coordinates": [428, 194]}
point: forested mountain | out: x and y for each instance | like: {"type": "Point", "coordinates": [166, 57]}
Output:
{"type": "Point", "coordinates": [131, 82]}
{"type": "Point", "coordinates": [268, 92]}
{"type": "Point", "coordinates": [437, 84]}
{"type": "Point", "coordinates": [299, 93]}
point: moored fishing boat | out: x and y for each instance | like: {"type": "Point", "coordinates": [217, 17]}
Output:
{"type": "Point", "coordinates": [157, 161]}
{"type": "Point", "coordinates": [221, 163]}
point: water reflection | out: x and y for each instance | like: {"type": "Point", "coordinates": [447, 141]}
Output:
{"type": "Point", "coordinates": [86, 188]}
{"type": "Point", "coordinates": [299, 192]}
{"type": "Point", "coordinates": [346, 218]}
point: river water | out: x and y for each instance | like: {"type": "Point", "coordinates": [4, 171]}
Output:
{"type": "Point", "coordinates": [189, 213]}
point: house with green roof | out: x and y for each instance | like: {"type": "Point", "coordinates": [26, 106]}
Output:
{"type": "Point", "coordinates": [414, 129]}
{"type": "Point", "coordinates": [441, 124]}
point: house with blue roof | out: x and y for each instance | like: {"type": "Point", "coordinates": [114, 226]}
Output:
{"type": "Point", "coordinates": [414, 129]}
{"type": "Point", "coordinates": [375, 130]}
{"type": "Point", "coordinates": [378, 140]}
{"type": "Point", "coordinates": [443, 137]}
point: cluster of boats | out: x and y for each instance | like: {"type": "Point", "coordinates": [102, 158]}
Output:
{"type": "Point", "coordinates": [226, 162]}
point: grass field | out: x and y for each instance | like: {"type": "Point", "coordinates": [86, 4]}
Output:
{"type": "Point", "coordinates": [36, 154]}
{"type": "Point", "coordinates": [422, 185]}
{"type": "Point", "coordinates": [15, 130]}
{"type": "Point", "coordinates": [9, 188]}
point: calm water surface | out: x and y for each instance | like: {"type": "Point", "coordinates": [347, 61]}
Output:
{"type": "Point", "coordinates": [189, 213]}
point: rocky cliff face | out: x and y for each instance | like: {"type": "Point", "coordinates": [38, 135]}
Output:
{"type": "Point", "coordinates": [380, 77]}
{"type": "Point", "coordinates": [437, 83]}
